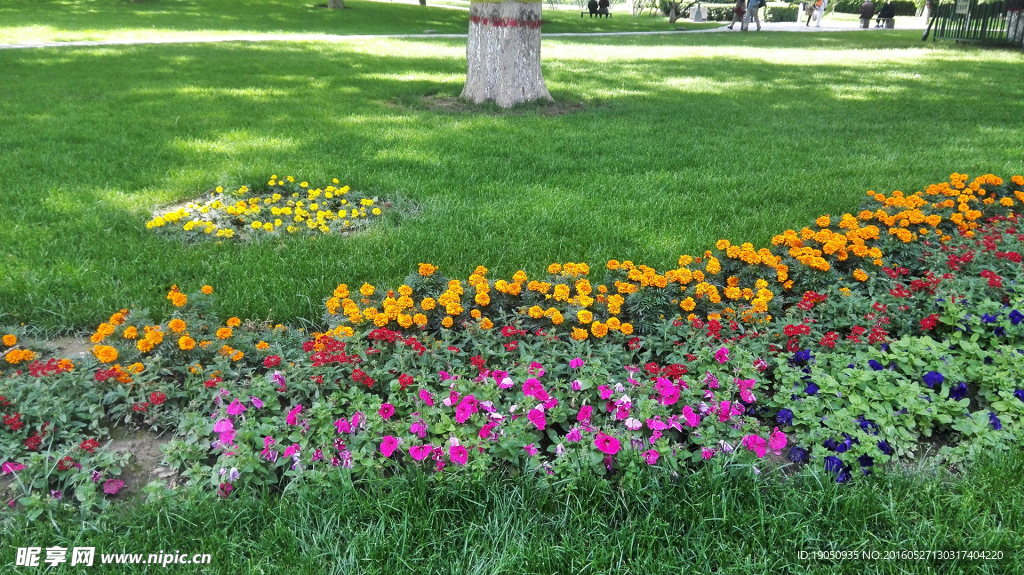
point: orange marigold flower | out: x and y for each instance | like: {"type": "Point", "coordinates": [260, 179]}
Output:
{"type": "Point", "coordinates": [584, 316]}
{"type": "Point", "coordinates": [1019, 180]}
{"type": "Point", "coordinates": [186, 343]}
{"type": "Point", "coordinates": [136, 368]}
{"type": "Point", "coordinates": [427, 270]}
{"type": "Point", "coordinates": [475, 314]}
{"type": "Point", "coordinates": [65, 365]}
{"type": "Point", "coordinates": [419, 319]}
{"type": "Point", "coordinates": [224, 333]}
{"type": "Point", "coordinates": [554, 268]}
{"type": "Point", "coordinates": [599, 329]}
{"type": "Point", "coordinates": [176, 325]}
{"type": "Point", "coordinates": [579, 334]}
{"type": "Point", "coordinates": [486, 323]}
{"type": "Point", "coordinates": [145, 345]}
{"type": "Point", "coordinates": [237, 356]}
{"type": "Point", "coordinates": [10, 340]}
{"type": "Point", "coordinates": [428, 304]}
{"type": "Point", "coordinates": [447, 321]}
{"type": "Point", "coordinates": [118, 318]}
{"type": "Point", "coordinates": [105, 353]}
{"type": "Point", "coordinates": [482, 298]}
{"type": "Point", "coordinates": [234, 322]}
{"type": "Point", "coordinates": [626, 328]}
{"type": "Point", "coordinates": [860, 275]}
{"type": "Point", "coordinates": [130, 333]}
{"type": "Point", "coordinates": [367, 290]}
{"type": "Point", "coordinates": [823, 221]}
{"type": "Point", "coordinates": [207, 289]}
{"type": "Point", "coordinates": [262, 345]}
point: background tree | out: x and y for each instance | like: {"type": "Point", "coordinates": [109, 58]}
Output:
{"type": "Point", "coordinates": [503, 53]}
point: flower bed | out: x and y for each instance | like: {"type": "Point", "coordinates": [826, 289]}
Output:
{"type": "Point", "coordinates": [284, 207]}
{"type": "Point", "coordinates": [842, 349]}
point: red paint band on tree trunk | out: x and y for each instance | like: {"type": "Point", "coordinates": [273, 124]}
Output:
{"type": "Point", "coordinates": [504, 22]}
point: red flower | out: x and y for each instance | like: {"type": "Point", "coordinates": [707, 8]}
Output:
{"type": "Point", "coordinates": [157, 398]}
{"type": "Point", "coordinates": [404, 381]}
{"type": "Point", "coordinates": [213, 382]}
{"type": "Point", "coordinates": [89, 445]}
{"type": "Point", "coordinates": [272, 361]}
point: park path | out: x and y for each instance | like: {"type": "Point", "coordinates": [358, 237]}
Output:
{"type": "Point", "coordinates": [835, 26]}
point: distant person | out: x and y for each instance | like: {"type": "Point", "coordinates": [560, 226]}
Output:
{"type": "Point", "coordinates": [737, 13]}
{"type": "Point", "coordinates": [751, 14]}
{"type": "Point", "coordinates": [887, 12]}
{"type": "Point", "coordinates": [602, 8]}
{"type": "Point", "coordinates": [820, 6]}
{"type": "Point", "coordinates": [811, 9]}
{"type": "Point", "coordinates": [867, 10]}
{"type": "Point", "coordinates": [592, 6]}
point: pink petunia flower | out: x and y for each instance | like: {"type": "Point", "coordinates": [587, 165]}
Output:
{"type": "Point", "coordinates": [425, 398]}
{"type": "Point", "coordinates": [485, 431]}
{"type": "Point", "coordinates": [458, 454]}
{"type": "Point", "coordinates": [236, 408]}
{"type": "Point", "coordinates": [606, 392]}
{"type": "Point", "coordinates": [531, 450]}
{"type": "Point", "coordinates": [112, 486]}
{"type": "Point", "coordinates": [576, 363]}
{"type": "Point", "coordinates": [707, 453]}
{"type": "Point", "coordinates": [692, 419]}
{"type": "Point", "coordinates": [506, 383]}
{"type": "Point", "coordinates": [536, 417]}
{"type": "Point", "coordinates": [632, 424]}
{"type": "Point", "coordinates": [722, 355]}
{"type": "Point", "coordinates": [11, 467]}
{"type": "Point", "coordinates": [256, 402]}
{"type": "Point", "coordinates": [386, 410]}
{"type": "Point", "coordinates": [651, 456]}
{"type": "Point", "coordinates": [293, 414]}
{"type": "Point", "coordinates": [584, 414]}
{"type": "Point", "coordinates": [420, 452]}
{"type": "Point", "coordinates": [419, 428]}
{"type": "Point", "coordinates": [607, 444]}
{"type": "Point", "coordinates": [577, 385]}
{"type": "Point", "coordinates": [343, 426]}
{"type": "Point", "coordinates": [223, 425]}
{"type": "Point", "coordinates": [466, 408]}
{"type": "Point", "coordinates": [723, 411]}
{"type": "Point", "coordinates": [292, 450]}
{"type": "Point", "coordinates": [388, 446]}
{"type": "Point", "coordinates": [755, 443]}
{"type": "Point", "coordinates": [574, 435]}
{"type": "Point", "coordinates": [745, 385]}
{"type": "Point", "coordinates": [777, 441]}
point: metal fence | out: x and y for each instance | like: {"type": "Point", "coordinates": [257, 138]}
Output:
{"type": "Point", "coordinates": [995, 22]}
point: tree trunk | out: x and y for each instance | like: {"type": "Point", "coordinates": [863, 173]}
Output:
{"type": "Point", "coordinates": [339, 4]}
{"type": "Point", "coordinates": [503, 53]}
{"type": "Point", "coordinates": [1015, 26]}
{"type": "Point", "coordinates": [672, 17]}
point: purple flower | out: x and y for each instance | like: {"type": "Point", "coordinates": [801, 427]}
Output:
{"type": "Point", "coordinates": [802, 356]}
{"type": "Point", "coordinates": [236, 407]}
{"type": "Point", "coordinates": [112, 486]}
{"type": "Point", "coordinates": [784, 417]}
{"type": "Point", "coordinates": [256, 402]}
{"type": "Point", "coordinates": [577, 385]}
{"type": "Point", "coordinates": [1019, 394]}
{"type": "Point", "coordinates": [388, 446]}
{"type": "Point", "coordinates": [833, 464]}
{"type": "Point", "coordinates": [875, 365]}
{"type": "Point", "coordinates": [866, 460]}
{"type": "Point", "coordinates": [1016, 317]}
{"type": "Point", "coordinates": [56, 494]}
{"type": "Point", "coordinates": [96, 476]}
{"type": "Point", "coordinates": [811, 389]}
{"type": "Point", "coordinates": [278, 379]}
{"type": "Point", "coordinates": [933, 378]}
{"type": "Point", "coordinates": [884, 446]}
{"type": "Point", "coordinates": [958, 392]}
{"type": "Point", "coordinates": [989, 318]}
{"type": "Point", "coordinates": [996, 424]}
{"type": "Point", "coordinates": [797, 454]}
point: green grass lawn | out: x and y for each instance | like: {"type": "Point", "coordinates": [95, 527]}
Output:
{"type": "Point", "coordinates": [668, 143]}
{"type": "Point", "coordinates": [708, 522]}
{"type": "Point", "coordinates": [24, 21]}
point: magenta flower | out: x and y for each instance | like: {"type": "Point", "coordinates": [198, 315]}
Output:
{"type": "Point", "coordinates": [458, 454]}
{"type": "Point", "coordinates": [530, 449]}
{"type": "Point", "coordinates": [236, 408]}
{"type": "Point", "coordinates": [710, 380]}
{"type": "Point", "coordinates": [692, 419]}
{"type": "Point", "coordinates": [584, 415]}
{"type": "Point", "coordinates": [223, 425]}
{"type": "Point", "coordinates": [633, 424]}
{"type": "Point", "coordinates": [536, 417]}
{"type": "Point", "coordinates": [388, 446]}
{"type": "Point", "coordinates": [576, 363]}
{"type": "Point", "coordinates": [386, 410]}
{"type": "Point", "coordinates": [745, 385]}
{"type": "Point", "coordinates": [256, 402]}
{"type": "Point", "coordinates": [536, 369]}
{"type": "Point", "coordinates": [420, 452]}
{"type": "Point", "coordinates": [722, 355]}
{"type": "Point", "coordinates": [419, 428]}
{"type": "Point", "coordinates": [506, 383]}
{"type": "Point", "coordinates": [723, 411]}
{"type": "Point", "coordinates": [425, 398]}
{"type": "Point", "coordinates": [291, 419]}
{"type": "Point", "coordinates": [466, 408]}
{"type": "Point", "coordinates": [777, 441]}
{"type": "Point", "coordinates": [533, 388]}
{"type": "Point", "coordinates": [356, 418]}
{"type": "Point", "coordinates": [651, 456]}
{"type": "Point", "coordinates": [292, 450]}
{"type": "Point", "coordinates": [755, 443]}
{"type": "Point", "coordinates": [485, 431]}
{"type": "Point", "coordinates": [574, 435]}
{"type": "Point", "coordinates": [707, 453]}
{"type": "Point", "coordinates": [607, 444]}
{"type": "Point", "coordinates": [11, 467]}
{"type": "Point", "coordinates": [343, 426]}
{"type": "Point", "coordinates": [606, 392]}
{"type": "Point", "coordinates": [657, 424]}
{"type": "Point", "coordinates": [112, 486]}
{"type": "Point", "coordinates": [577, 385]}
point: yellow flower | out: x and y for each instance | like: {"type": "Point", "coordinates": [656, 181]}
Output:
{"type": "Point", "coordinates": [475, 314]}
{"type": "Point", "coordinates": [428, 304]}
{"type": "Point", "coordinates": [176, 325]}
{"type": "Point", "coordinates": [447, 322]}
{"type": "Point", "coordinates": [367, 290]}
{"type": "Point", "coordinates": [536, 312]}
{"type": "Point", "coordinates": [237, 356]}
{"type": "Point", "coordinates": [482, 298]}
{"type": "Point", "coordinates": [224, 333]}
{"type": "Point", "coordinates": [10, 340]}
{"type": "Point", "coordinates": [860, 275]}
{"type": "Point", "coordinates": [234, 322]}
{"type": "Point", "coordinates": [186, 343]}
{"type": "Point", "coordinates": [419, 319]}
{"type": "Point", "coordinates": [105, 353]}
{"type": "Point", "coordinates": [554, 268]}
{"type": "Point", "coordinates": [599, 329]}
{"type": "Point", "coordinates": [579, 334]}
{"type": "Point", "coordinates": [626, 328]}
{"type": "Point", "coordinates": [823, 221]}
{"type": "Point", "coordinates": [262, 345]}
{"type": "Point", "coordinates": [688, 304]}
{"type": "Point", "coordinates": [613, 264]}
{"type": "Point", "coordinates": [145, 345]}
{"type": "Point", "coordinates": [486, 323]}
{"type": "Point", "coordinates": [207, 289]}
{"type": "Point", "coordinates": [584, 316]}
{"type": "Point", "coordinates": [405, 290]}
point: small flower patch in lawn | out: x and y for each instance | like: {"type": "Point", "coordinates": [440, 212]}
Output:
{"type": "Point", "coordinates": [283, 206]}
